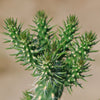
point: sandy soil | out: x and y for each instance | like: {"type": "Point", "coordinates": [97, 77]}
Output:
{"type": "Point", "coordinates": [13, 78]}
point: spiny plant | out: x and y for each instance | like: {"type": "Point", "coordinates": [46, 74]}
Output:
{"type": "Point", "coordinates": [58, 59]}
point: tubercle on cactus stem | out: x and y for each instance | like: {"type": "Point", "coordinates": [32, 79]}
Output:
{"type": "Point", "coordinates": [57, 61]}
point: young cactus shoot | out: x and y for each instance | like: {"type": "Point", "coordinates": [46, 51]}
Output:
{"type": "Point", "coordinates": [57, 61]}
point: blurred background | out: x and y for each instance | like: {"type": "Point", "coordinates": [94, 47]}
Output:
{"type": "Point", "coordinates": [13, 78]}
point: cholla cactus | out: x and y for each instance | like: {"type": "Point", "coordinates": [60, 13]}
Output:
{"type": "Point", "coordinates": [57, 61]}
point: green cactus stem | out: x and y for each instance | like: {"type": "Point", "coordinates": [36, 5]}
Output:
{"type": "Point", "coordinates": [57, 61]}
